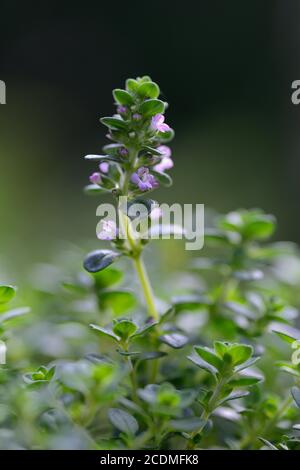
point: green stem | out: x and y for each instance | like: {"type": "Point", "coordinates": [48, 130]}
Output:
{"type": "Point", "coordinates": [133, 380]}
{"type": "Point", "coordinates": [265, 430]}
{"type": "Point", "coordinates": [207, 412]}
{"type": "Point", "coordinates": [134, 246]}
{"type": "Point", "coordinates": [146, 286]}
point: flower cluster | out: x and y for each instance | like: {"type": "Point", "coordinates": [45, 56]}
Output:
{"type": "Point", "coordinates": [138, 157]}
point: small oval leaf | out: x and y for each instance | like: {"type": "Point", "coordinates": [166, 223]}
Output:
{"type": "Point", "coordinates": [99, 259]}
{"type": "Point", "coordinates": [123, 421]}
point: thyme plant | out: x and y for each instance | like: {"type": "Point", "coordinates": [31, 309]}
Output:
{"type": "Point", "coordinates": [214, 364]}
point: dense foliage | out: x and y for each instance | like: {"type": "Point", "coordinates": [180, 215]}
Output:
{"type": "Point", "coordinates": [212, 363]}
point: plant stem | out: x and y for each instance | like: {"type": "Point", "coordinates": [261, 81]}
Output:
{"type": "Point", "coordinates": [265, 430]}
{"type": "Point", "coordinates": [146, 286]}
{"type": "Point", "coordinates": [280, 412]}
{"type": "Point", "coordinates": [134, 385]}
{"type": "Point", "coordinates": [207, 411]}
{"type": "Point", "coordinates": [134, 246]}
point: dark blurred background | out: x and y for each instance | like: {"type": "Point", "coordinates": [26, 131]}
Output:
{"type": "Point", "coordinates": [225, 67]}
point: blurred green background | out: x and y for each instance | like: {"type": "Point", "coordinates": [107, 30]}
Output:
{"type": "Point", "coordinates": [225, 68]}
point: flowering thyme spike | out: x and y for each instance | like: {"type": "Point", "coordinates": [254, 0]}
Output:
{"type": "Point", "coordinates": [138, 132]}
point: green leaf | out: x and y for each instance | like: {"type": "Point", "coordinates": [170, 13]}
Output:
{"type": "Point", "coordinates": [209, 356]}
{"type": "Point", "coordinates": [246, 364]}
{"type": "Point", "coordinates": [124, 329]}
{"type": "Point", "coordinates": [99, 259]}
{"type": "Point", "coordinates": [261, 228]}
{"type": "Point", "coordinates": [6, 293]}
{"type": "Point", "coordinates": [240, 309]}
{"type": "Point", "coordinates": [287, 333]}
{"type": "Point", "coordinates": [114, 123]}
{"type": "Point", "coordinates": [221, 347]}
{"type": "Point", "coordinates": [267, 443]}
{"type": "Point", "coordinates": [168, 315]}
{"type": "Point", "coordinates": [123, 97]}
{"type": "Point", "coordinates": [251, 224]}
{"type": "Point", "coordinates": [198, 361]}
{"type": "Point", "coordinates": [15, 313]}
{"type": "Point", "coordinates": [150, 108]}
{"type": "Point", "coordinates": [216, 237]}
{"type": "Point", "coordinates": [189, 302]}
{"type": "Point", "coordinates": [244, 381]}
{"type": "Point", "coordinates": [123, 421]}
{"type": "Point", "coordinates": [151, 355]}
{"type": "Point", "coordinates": [166, 136]}
{"type": "Point", "coordinates": [148, 90]}
{"type": "Point", "coordinates": [132, 85]}
{"type": "Point", "coordinates": [101, 158]}
{"type": "Point", "coordinates": [234, 396]}
{"type": "Point", "coordinates": [163, 178]}
{"type": "Point", "coordinates": [148, 394]}
{"type": "Point", "coordinates": [113, 149]}
{"type": "Point", "coordinates": [186, 425]}
{"type": "Point", "coordinates": [50, 373]}
{"type": "Point", "coordinates": [142, 330]}
{"type": "Point", "coordinates": [105, 332]}
{"type": "Point", "coordinates": [239, 353]}
{"type": "Point", "coordinates": [251, 275]}
{"type": "Point", "coordinates": [107, 278]}
{"type": "Point", "coordinates": [144, 78]}
{"type": "Point", "coordinates": [288, 368]}
{"type": "Point", "coordinates": [152, 150]}
{"type": "Point", "coordinates": [94, 190]}
{"type": "Point", "coordinates": [119, 301]}
{"type": "Point", "coordinates": [295, 391]}
{"type": "Point", "coordinates": [174, 340]}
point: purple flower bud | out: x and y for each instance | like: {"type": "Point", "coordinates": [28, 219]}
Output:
{"type": "Point", "coordinates": [122, 109]}
{"type": "Point", "coordinates": [123, 151]}
{"type": "Point", "coordinates": [109, 230]}
{"type": "Point", "coordinates": [165, 150]}
{"type": "Point", "coordinates": [104, 167]}
{"type": "Point", "coordinates": [166, 163]}
{"type": "Point", "coordinates": [158, 124]}
{"type": "Point", "coordinates": [136, 116]}
{"type": "Point", "coordinates": [95, 178]}
{"type": "Point", "coordinates": [144, 180]}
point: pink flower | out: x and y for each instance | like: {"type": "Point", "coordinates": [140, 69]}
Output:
{"type": "Point", "coordinates": [158, 123]}
{"type": "Point", "coordinates": [109, 230]}
{"type": "Point", "coordinates": [166, 163]}
{"type": "Point", "coordinates": [104, 167]}
{"type": "Point", "coordinates": [95, 178]}
{"type": "Point", "coordinates": [143, 179]}
{"type": "Point", "coordinates": [165, 150]}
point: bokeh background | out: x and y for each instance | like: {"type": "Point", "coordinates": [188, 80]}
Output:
{"type": "Point", "coordinates": [226, 69]}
